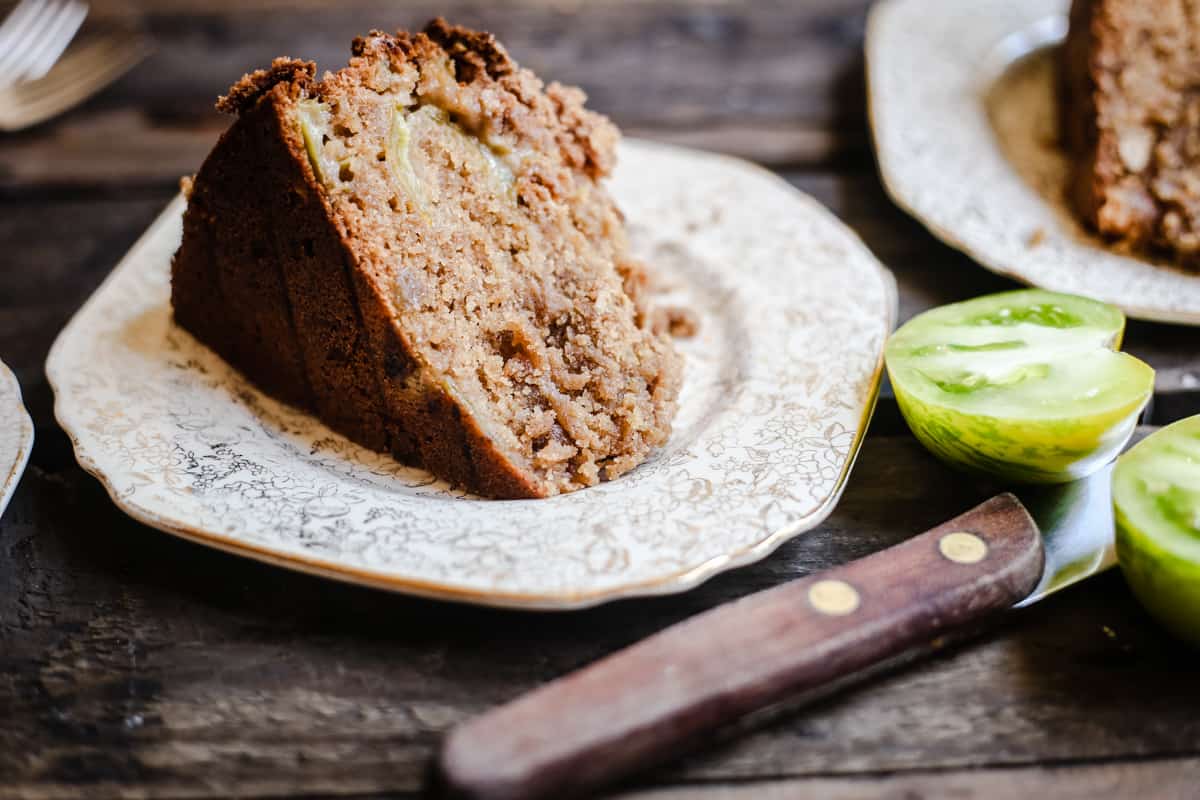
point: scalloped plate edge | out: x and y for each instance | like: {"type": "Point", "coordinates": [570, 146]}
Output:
{"type": "Point", "coordinates": [16, 414]}
{"type": "Point", "coordinates": [669, 584]}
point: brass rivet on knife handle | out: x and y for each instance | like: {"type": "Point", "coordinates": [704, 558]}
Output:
{"type": "Point", "coordinates": [835, 598]}
{"type": "Point", "coordinates": [962, 547]}
{"type": "Point", "coordinates": [660, 696]}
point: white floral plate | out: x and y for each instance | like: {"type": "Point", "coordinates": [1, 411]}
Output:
{"type": "Point", "coordinates": [964, 115]}
{"type": "Point", "coordinates": [778, 388]}
{"type": "Point", "coordinates": [16, 435]}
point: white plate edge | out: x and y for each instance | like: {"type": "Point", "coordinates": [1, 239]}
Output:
{"type": "Point", "coordinates": [8, 486]}
{"type": "Point", "coordinates": [668, 584]}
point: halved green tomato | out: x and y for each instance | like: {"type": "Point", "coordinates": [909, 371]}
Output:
{"type": "Point", "coordinates": [1025, 386]}
{"type": "Point", "coordinates": [1156, 497]}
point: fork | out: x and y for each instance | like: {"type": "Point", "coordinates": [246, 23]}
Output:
{"type": "Point", "coordinates": [84, 70]}
{"type": "Point", "coordinates": [34, 35]}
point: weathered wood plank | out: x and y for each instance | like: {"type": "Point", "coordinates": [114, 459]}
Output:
{"type": "Point", "coordinates": [117, 8]}
{"type": "Point", "coordinates": [670, 62]}
{"type": "Point", "coordinates": [767, 80]}
{"type": "Point", "coordinates": [135, 662]}
{"type": "Point", "coordinates": [105, 149]}
{"type": "Point", "coordinates": [1170, 780]}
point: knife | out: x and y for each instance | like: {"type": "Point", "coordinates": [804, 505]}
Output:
{"type": "Point", "coordinates": [664, 694]}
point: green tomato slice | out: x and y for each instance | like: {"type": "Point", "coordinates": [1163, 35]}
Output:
{"type": "Point", "coordinates": [1156, 497]}
{"type": "Point", "coordinates": [1025, 386]}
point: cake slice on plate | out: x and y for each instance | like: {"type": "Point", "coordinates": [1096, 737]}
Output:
{"type": "Point", "coordinates": [418, 247]}
{"type": "Point", "coordinates": [1130, 85]}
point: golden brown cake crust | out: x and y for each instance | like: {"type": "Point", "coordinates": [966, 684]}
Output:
{"type": "Point", "coordinates": [530, 396]}
{"type": "Point", "coordinates": [226, 284]}
{"type": "Point", "coordinates": [1130, 87]}
{"type": "Point", "coordinates": [246, 92]}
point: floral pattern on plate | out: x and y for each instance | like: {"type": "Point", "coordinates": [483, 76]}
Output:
{"type": "Point", "coordinates": [778, 387]}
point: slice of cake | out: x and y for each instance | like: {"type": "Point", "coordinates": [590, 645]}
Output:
{"type": "Point", "coordinates": [419, 249]}
{"type": "Point", "coordinates": [1130, 85]}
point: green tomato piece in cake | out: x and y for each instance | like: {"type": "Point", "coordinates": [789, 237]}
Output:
{"type": "Point", "coordinates": [1156, 498]}
{"type": "Point", "coordinates": [313, 118]}
{"type": "Point", "coordinates": [1026, 386]}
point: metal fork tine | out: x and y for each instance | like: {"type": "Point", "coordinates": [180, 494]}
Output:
{"type": "Point", "coordinates": [66, 25]}
{"type": "Point", "coordinates": [39, 38]}
{"type": "Point", "coordinates": [24, 37]}
{"type": "Point", "coordinates": [37, 41]}
{"type": "Point", "coordinates": [17, 19]}
{"type": "Point", "coordinates": [29, 37]}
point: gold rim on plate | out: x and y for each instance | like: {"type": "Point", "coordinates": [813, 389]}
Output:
{"type": "Point", "coordinates": [775, 406]}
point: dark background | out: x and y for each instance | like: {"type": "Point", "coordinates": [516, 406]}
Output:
{"type": "Point", "coordinates": [135, 664]}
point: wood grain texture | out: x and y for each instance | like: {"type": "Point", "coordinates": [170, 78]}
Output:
{"type": "Point", "coordinates": [133, 664]}
{"type": "Point", "coordinates": [768, 80]}
{"type": "Point", "coordinates": [671, 691]}
{"type": "Point", "coordinates": [1169, 779]}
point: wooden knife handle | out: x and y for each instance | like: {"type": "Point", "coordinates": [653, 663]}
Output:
{"type": "Point", "coordinates": [658, 696]}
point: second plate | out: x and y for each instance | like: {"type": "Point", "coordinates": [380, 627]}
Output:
{"type": "Point", "coordinates": [964, 115]}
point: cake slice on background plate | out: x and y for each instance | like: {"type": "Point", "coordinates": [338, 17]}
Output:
{"type": "Point", "coordinates": [1130, 87]}
{"type": "Point", "coordinates": [418, 248]}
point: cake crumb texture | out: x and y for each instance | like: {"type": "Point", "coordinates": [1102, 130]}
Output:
{"type": "Point", "coordinates": [1130, 86]}
{"type": "Point", "coordinates": [419, 247]}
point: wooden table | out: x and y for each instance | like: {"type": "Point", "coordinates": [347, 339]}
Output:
{"type": "Point", "coordinates": [133, 664]}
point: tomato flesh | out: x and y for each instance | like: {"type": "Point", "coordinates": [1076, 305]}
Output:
{"type": "Point", "coordinates": [1156, 499]}
{"type": "Point", "coordinates": [1025, 386]}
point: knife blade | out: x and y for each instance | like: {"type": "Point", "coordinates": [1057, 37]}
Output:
{"type": "Point", "coordinates": [658, 697]}
{"type": "Point", "coordinates": [1078, 533]}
